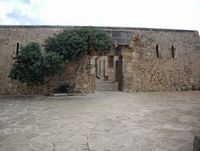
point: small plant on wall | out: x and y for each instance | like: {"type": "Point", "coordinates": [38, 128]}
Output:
{"type": "Point", "coordinates": [33, 68]}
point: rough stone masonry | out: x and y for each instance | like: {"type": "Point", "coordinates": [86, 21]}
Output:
{"type": "Point", "coordinates": [151, 59]}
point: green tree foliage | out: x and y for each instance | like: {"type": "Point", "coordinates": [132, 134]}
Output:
{"type": "Point", "coordinates": [27, 67]}
{"type": "Point", "coordinates": [52, 64]}
{"type": "Point", "coordinates": [34, 69]}
{"type": "Point", "coordinates": [74, 44]}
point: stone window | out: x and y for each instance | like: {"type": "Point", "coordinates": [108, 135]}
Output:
{"type": "Point", "coordinates": [173, 51]}
{"type": "Point", "coordinates": [157, 51]}
{"type": "Point", "coordinates": [110, 61]}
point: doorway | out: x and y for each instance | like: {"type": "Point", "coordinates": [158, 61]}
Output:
{"type": "Point", "coordinates": [107, 72]}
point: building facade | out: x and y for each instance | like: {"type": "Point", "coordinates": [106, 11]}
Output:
{"type": "Point", "coordinates": [143, 60]}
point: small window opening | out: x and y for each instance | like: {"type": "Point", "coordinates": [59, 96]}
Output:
{"type": "Point", "coordinates": [17, 49]}
{"type": "Point", "coordinates": [173, 52]}
{"type": "Point", "coordinates": [157, 51]}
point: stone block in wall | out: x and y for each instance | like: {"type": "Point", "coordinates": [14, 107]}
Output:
{"type": "Point", "coordinates": [127, 87]}
{"type": "Point", "coordinates": [135, 57]}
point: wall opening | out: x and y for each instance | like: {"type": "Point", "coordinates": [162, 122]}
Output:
{"type": "Point", "coordinates": [17, 49]}
{"type": "Point", "coordinates": [173, 52]}
{"type": "Point", "coordinates": [157, 51]}
{"type": "Point", "coordinates": [107, 72]}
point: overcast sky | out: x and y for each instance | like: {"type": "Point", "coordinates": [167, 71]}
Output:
{"type": "Point", "coordinates": [175, 14]}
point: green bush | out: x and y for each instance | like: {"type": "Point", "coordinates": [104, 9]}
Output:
{"type": "Point", "coordinates": [74, 44]}
{"type": "Point", "coordinates": [34, 69]}
{"type": "Point", "coordinates": [53, 64]}
{"type": "Point", "coordinates": [28, 65]}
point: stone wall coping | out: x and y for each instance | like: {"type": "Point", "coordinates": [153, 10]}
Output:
{"type": "Point", "coordinates": [127, 29]}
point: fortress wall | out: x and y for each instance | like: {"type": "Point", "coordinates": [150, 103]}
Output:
{"type": "Point", "coordinates": [10, 36]}
{"type": "Point", "coordinates": [163, 73]}
{"type": "Point", "coordinates": [142, 70]}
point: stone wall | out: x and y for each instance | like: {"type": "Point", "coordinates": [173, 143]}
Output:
{"type": "Point", "coordinates": [85, 81]}
{"type": "Point", "coordinates": [140, 67]}
{"type": "Point", "coordinates": [160, 71]}
{"type": "Point", "coordinates": [10, 36]}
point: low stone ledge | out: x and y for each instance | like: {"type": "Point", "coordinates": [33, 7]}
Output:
{"type": "Point", "coordinates": [67, 94]}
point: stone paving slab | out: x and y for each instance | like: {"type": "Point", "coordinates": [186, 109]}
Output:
{"type": "Point", "coordinates": [103, 121]}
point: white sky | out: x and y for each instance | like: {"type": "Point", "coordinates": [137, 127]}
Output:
{"type": "Point", "coordinates": [175, 14]}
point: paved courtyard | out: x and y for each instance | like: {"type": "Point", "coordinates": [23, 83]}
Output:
{"type": "Point", "coordinates": [103, 121]}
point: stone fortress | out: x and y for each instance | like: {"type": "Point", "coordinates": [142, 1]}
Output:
{"type": "Point", "coordinates": [144, 59]}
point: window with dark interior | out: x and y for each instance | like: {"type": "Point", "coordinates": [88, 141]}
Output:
{"type": "Point", "coordinates": [157, 51]}
{"type": "Point", "coordinates": [173, 52]}
{"type": "Point", "coordinates": [17, 49]}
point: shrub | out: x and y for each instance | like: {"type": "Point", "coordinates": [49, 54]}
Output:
{"type": "Point", "coordinates": [34, 69]}
{"type": "Point", "coordinates": [53, 64]}
{"type": "Point", "coordinates": [28, 65]}
{"type": "Point", "coordinates": [74, 44]}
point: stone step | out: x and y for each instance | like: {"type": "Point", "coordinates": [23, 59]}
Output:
{"type": "Point", "coordinates": [106, 86]}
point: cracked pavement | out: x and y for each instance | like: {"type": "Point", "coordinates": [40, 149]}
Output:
{"type": "Point", "coordinates": [102, 121]}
